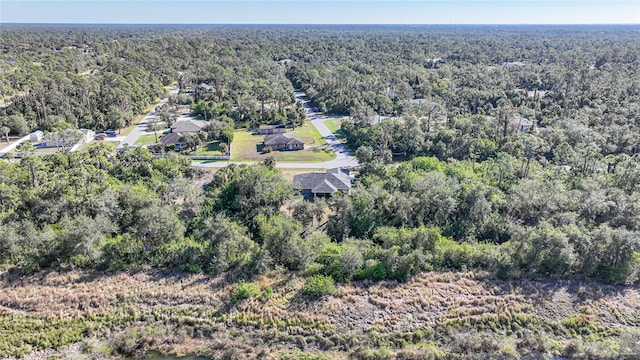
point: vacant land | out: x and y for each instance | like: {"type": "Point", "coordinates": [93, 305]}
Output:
{"type": "Point", "coordinates": [248, 147]}
{"type": "Point", "coordinates": [459, 314]}
{"type": "Point", "coordinates": [210, 149]}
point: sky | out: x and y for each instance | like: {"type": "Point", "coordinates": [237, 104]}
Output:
{"type": "Point", "coordinates": [321, 12]}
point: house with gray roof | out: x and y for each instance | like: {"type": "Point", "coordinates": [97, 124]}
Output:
{"type": "Point", "coordinates": [189, 126]}
{"type": "Point", "coordinates": [520, 123]}
{"type": "Point", "coordinates": [283, 142]}
{"type": "Point", "coordinates": [271, 129]}
{"type": "Point", "coordinates": [176, 139]}
{"type": "Point", "coordinates": [323, 184]}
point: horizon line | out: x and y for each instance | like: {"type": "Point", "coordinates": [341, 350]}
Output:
{"type": "Point", "coordinates": [330, 24]}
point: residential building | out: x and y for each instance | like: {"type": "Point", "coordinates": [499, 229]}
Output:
{"type": "Point", "coordinates": [323, 184]}
{"type": "Point", "coordinates": [283, 142]}
{"type": "Point", "coordinates": [176, 139]}
{"type": "Point", "coordinates": [520, 123]}
{"type": "Point", "coordinates": [189, 126]}
{"type": "Point", "coordinates": [272, 129]}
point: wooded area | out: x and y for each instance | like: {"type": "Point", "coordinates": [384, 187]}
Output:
{"type": "Point", "coordinates": [511, 150]}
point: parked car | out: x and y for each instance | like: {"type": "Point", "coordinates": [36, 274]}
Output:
{"type": "Point", "coordinates": [100, 136]}
{"type": "Point", "coordinates": [110, 133]}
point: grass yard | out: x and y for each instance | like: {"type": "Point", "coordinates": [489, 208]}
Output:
{"type": "Point", "coordinates": [110, 144]}
{"type": "Point", "coordinates": [206, 161]}
{"type": "Point", "coordinates": [248, 147]}
{"type": "Point", "coordinates": [335, 126]}
{"type": "Point", "coordinates": [47, 150]}
{"type": "Point", "coordinates": [147, 139]}
{"type": "Point", "coordinates": [309, 134]}
{"type": "Point", "coordinates": [210, 149]}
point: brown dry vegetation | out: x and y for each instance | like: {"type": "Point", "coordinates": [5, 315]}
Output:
{"type": "Point", "coordinates": [435, 315]}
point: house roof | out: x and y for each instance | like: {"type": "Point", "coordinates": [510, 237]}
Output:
{"type": "Point", "coordinates": [279, 139]}
{"type": "Point", "coordinates": [206, 86]}
{"type": "Point", "coordinates": [325, 187]}
{"type": "Point", "coordinates": [189, 126]}
{"type": "Point", "coordinates": [172, 138]}
{"type": "Point", "coordinates": [328, 182]}
{"type": "Point", "coordinates": [520, 121]}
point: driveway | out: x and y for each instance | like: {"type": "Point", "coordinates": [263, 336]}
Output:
{"type": "Point", "coordinates": [141, 127]}
{"type": "Point", "coordinates": [344, 159]}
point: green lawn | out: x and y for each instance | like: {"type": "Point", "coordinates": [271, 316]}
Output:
{"type": "Point", "coordinates": [47, 150]}
{"type": "Point", "coordinates": [247, 147]}
{"type": "Point", "coordinates": [147, 139]}
{"type": "Point", "coordinates": [110, 144]}
{"type": "Point", "coordinates": [309, 134]}
{"type": "Point", "coordinates": [210, 149]}
{"type": "Point", "coordinates": [334, 125]}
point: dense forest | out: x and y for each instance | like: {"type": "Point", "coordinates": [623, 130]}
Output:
{"type": "Point", "coordinates": [509, 150]}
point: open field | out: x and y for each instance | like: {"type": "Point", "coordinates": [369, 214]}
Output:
{"type": "Point", "coordinates": [247, 147]}
{"type": "Point", "coordinates": [455, 315]}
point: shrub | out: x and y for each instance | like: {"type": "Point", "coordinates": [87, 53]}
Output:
{"type": "Point", "coordinates": [341, 262]}
{"type": "Point", "coordinates": [319, 285]}
{"type": "Point", "coordinates": [373, 270]}
{"type": "Point", "coordinates": [243, 290]}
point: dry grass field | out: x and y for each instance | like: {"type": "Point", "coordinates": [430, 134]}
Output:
{"type": "Point", "coordinates": [436, 315]}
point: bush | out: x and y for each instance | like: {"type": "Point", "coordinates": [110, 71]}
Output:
{"type": "Point", "coordinates": [243, 290]}
{"type": "Point", "coordinates": [373, 270]}
{"type": "Point", "coordinates": [319, 285]}
{"type": "Point", "coordinates": [340, 262]}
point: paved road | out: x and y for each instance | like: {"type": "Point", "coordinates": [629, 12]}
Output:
{"type": "Point", "coordinates": [141, 127]}
{"type": "Point", "coordinates": [343, 159]}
